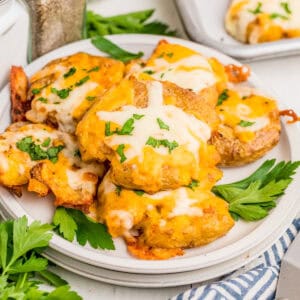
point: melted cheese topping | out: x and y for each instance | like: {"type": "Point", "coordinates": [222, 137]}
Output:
{"type": "Point", "coordinates": [193, 72]}
{"type": "Point", "coordinates": [184, 128]}
{"type": "Point", "coordinates": [236, 111]}
{"type": "Point", "coordinates": [239, 16]}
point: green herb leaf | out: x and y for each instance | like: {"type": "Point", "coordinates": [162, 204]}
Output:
{"type": "Point", "coordinates": [82, 81]}
{"type": "Point", "coordinates": [279, 16]}
{"type": "Point", "coordinates": [286, 7]}
{"type": "Point", "coordinates": [127, 128]}
{"type": "Point", "coordinates": [118, 190]}
{"type": "Point", "coordinates": [33, 264]}
{"type": "Point", "coordinates": [90, 98]}
{"type": "Point", "coordinates": [52, 278]}
{"type": "Point", "coordinates": [120, 151]}
{"type": "Point", "coordinates": [87, 230]}
{"type": "Point", "coordinates": [155, 143]}
{"type": "Point", "coordinates": [62, 94]}
{"type": "Point", "coordinates": [253, 197]}
{"type": "Point", "coordinates": [108, 132]}
{"type": "Point", "coordinates": [46, 142]}
{"type": "Point", "coordinates": [36, 91]}
{"type": "Point", "coordinates": [222, 97]}
{"type": "Point", "coordinates": [64, 223]}
{"type": "Point", "coordinates": [150, 72]}
{"type": "Point", "coordinates": [257, 10]}
{"type": "Point", "coordinates": [42, 99]}
{"type": "Point", "coordinates": [63, 293]}
{"type": "Point", "coordinates": [244, 123]}
{"type": "Point", "coordinates": [71, 72]}
{"type": "Point", "coordinates": [162, 125]}
{"type": "Point", "coordinates": [137, 116]}
{"type": "Point", "coordinates": [139, 192]}
{"type": "Point", "coordinates": [95, 69]}
{"type": "Point", "coordinates": [113, 50]}
{"type": "Point", "coordinates": [194, 183]}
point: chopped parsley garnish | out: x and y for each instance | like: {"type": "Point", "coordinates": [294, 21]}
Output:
{"type": "Point", "coordinates": [95, 69]}
{"type": "Point", "coordinates": [108, 132]}
{"type": "Point", "coordinates": [71, 72]}
{"type": "Point", "coordinates": [36, 91]}
{"type": "Point", "coordinates": [286, 7]}
{"type": "Point", "coordinates": [36, 152]}
{"type": "Point", "coordinates": [244, 123]}
{"type": "Point", "coordinates": [62, 94]}
{"type": "Point", "coordinates": [137, 116]}
{"type": "Point", "coordinates": [150, 72]}
{"type": "Point", "coordinates": [257, 10]}
{"type": "Point", "coordinates": [279, 16]}
{"type": "Point", "coordinates": [120, 151]}
{"type": "Point", "coordinates": [194, 183]}
{"type": "Point", "coordinates": [139, 192]}
{"type": "Point", "coordinates": [46, 142]}
{"type": "Point", "coordinates": [42, 99]}
{"type": "Point", "coordinates": [90, 98]}
{"type": "Point", "coordinates": [118, 190]}
{"type": "Point", "coordinates": [162, 75]}
{"type": "Point", "coordinates": [82, 81]}
{"type": "Point", "coordinates": [127, 128]}
{"type": "Point", "coordinates": [170, 54]}
{"type": "Point", "coordinates": [77, 153]}
{"type": "Point", "coordinates": [162, 125]}
{"type": "Point", "coordinates": [155, 143]}
{"type": "Point", "coordinates": [222, 97]}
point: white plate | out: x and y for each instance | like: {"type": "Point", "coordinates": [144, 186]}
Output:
{"type": "Point", "coordinates": [205, 24]}
{"type": "Point", "coordinates": [240, 239]}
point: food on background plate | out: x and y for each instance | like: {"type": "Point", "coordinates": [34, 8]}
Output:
{"type": "Point", "coordinates": [63, 90]}
{"type": "Point", "coordinates": [47, 160]}
{"type": "Point", "coordinates": [254, 21]}
{"type": "Point", "coordinates": [154, 135]}
{"type": "Point", "coordinates": [160, 136]}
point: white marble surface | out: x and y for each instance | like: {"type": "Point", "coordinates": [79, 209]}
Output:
{"type": "Point", "coordinates": [281, 75]}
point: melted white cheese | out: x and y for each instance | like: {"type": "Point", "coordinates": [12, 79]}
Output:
{"type": "Point", "coordinates": [239, 26]}
{"type": "Point", "coordinates": [199, 77]}
{"type": "Point", "coordinates": [124, 218]}
{"type": "Point", "coordinates": [184, 128]}
{"type": "Point", "coordinates": [63, 108]}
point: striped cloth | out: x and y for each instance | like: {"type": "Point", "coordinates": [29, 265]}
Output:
{"type": "Point", "coordinates": [257, 283]}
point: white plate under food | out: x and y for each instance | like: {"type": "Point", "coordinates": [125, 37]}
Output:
{"type": "Point", "coordinates": [242, 237]}
{"type": "Point", "coordinates": [165, 280]}
{"type": "Point", "coordinates": [204, 23]}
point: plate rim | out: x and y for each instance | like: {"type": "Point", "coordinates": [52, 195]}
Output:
{"type": "Point", "coordinates": [185, 263]}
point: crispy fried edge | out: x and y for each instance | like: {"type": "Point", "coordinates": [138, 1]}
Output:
{"type": "Point", "coordinates": [18, 88]}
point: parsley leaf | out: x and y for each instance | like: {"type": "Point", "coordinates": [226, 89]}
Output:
{"type": "Point", "coordinates": [82, 81]}
{"type": "Point", "coordinates": [120, 151]}
{"type": "Point", "coordinates": [62, 94]}
{"type": "Point", "coordinates": [222, 97]}
{"type": "Point", "coordinates": [193, 184]}
{"type": "Point", "coordinates": [253, 197]}
{"type": "Point", "coordinates": [42, 99]}
{"type": "Point", "coordinates": [113, 50]}
{"type": "Point", "coordinates": [35, 151]}
{"type": "Point", "coordinates": [279, 16]}
{"type": "Point", "coordinates": [137, 116]}
{"type": "Point", "coordinates": [127, 128]}
{"type": "Point", "coordinates": [244, 123]}
{"type": "Point", "coordinates": [71, 72]}
{"type": "Point", "coordinates": [90, 98]}
{"type": "Point", "coordinates": [118, 190]}
{"type": "Point", "coordinates": [86, 230]}
{"type": "Point", "coordinates": [107, 131]}
{"type": "Point", "coordinates": [286, 7]}
{"type": "Point", "coordinates": [139, 192]}
{"type": "Point", "coordinates": [46, 142]}
{"type": "Point", "coordinates": [162, 125]}
{"type": "Point", "coordinates": [257, 10]}
{"type": "Point", "coordinates": [150, 72]}
{"type": "Point", "coordinates": [95, 69]}
{"type": "Point", "coordinates": [155, 143]}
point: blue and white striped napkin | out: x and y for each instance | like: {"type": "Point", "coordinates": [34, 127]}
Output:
{"type": "Point", "coordinates": [257, 283]}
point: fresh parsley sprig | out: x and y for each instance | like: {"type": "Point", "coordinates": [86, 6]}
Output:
{"type": "Point", "coordinates": [71, 222]}
{"type": "Point", "coordinates": [253, 197]}
{"type": "Point", "coordinates": [113, 50]}
{"type": "Point", "coordinates": [20, 263]}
